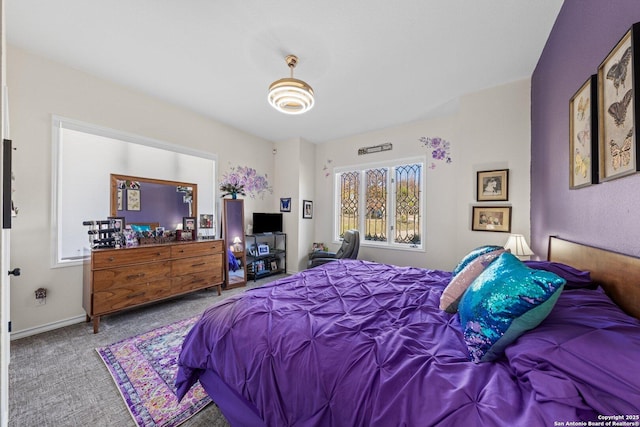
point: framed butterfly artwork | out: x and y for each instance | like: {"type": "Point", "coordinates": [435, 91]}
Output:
{"type": "Point", "coordinates": [583, 130]}
{"type": "Point", "coordinates": [618, 107]}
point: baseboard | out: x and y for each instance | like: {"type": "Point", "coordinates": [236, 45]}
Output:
{"type": "Point", "coordinates": [48, 327]}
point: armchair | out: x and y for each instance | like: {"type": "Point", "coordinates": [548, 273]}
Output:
{"type": "Point", "coordinates": [348, 250]}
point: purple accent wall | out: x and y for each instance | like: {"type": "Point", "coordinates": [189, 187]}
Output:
{"type": "Point", "coordinates": [606, 215]}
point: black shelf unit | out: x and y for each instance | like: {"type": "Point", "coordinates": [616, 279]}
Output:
{"type": "Point", "coordinates": [266, 264]}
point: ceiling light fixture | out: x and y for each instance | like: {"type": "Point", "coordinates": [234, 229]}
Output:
{"type": "Point", "coordinates": [289, 95]}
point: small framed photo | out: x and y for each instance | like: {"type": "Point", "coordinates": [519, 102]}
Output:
{"type": "Point", "coordinates": [307, 209]}
{"type": "Point", "coordinates": [583, 131]}
{"type": "Point", "coordinates": [117, 222]}
{"type": "Point", "coordinates": [159, 231]}
{"type": "Point", "coordinates": [285, 204]}
{"type": "Point", "coordinates": [133, 200]}
{"type": "Point", "coordinates": [188, 223]}
{"type": "Point", "coordinates": [206, 220]}
{"type": "Point", "coordinates": [274, 265]}
{"type": "Point", "coordinates": [491, 218]}
{"type": "Point", "coordinates": [618, 76]}
{"type": "Point", "coordinates": [263, 249]}
{"type": "Point", "coordinates": [493, 185]}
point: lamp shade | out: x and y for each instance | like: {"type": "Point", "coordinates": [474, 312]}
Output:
{"type": "Point", "coordinates": [237, 240]}
{"type": "Point", "coordinates": [517, 245]}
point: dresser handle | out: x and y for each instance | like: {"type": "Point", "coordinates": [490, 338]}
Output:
{"type": "Point", "coordinates": [111, 258]}
{"type": "Point", "coordinates": [139, 294]}
{"type": "Point", "coordinates": [181, 251]}
{"type": "Point", "coordinates": [200, 263]}
{"type": "Point", "coordinates": [135, 276]}
{"type": "Point", "coordinates": [197, 280]}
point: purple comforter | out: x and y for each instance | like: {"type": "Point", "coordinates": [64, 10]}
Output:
{"type": "Point", "coordinates": [355, 343]}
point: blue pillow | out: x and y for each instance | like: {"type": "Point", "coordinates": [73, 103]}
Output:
{"type": "Point", "coordinates": [140, 228]}
{"type": "Point", "coordinates": [473, 255]}
{"type": "Point", "coordinates": [502, 303]}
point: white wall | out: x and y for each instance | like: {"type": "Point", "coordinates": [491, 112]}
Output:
{"type": "Point", "coordinates": [286, 184]}
{"type": "Point", "coordinates": [490, 130]}
{"type": "Point", "coordinates": [494, 127]}
{"type": "Point", "coordinates": [38, 89]}
{"type": "Point", "coordinates": [295, 178]}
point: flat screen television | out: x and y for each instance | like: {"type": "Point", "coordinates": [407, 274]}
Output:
{"type": "Point", "coordinates": [267, 222]}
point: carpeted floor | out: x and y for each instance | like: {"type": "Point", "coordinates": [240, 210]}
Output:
{"type": "Point", "coordinates": [57, 378]}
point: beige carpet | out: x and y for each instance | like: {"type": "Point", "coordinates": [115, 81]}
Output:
{"type": "Point", "coordinates": [57, 378]}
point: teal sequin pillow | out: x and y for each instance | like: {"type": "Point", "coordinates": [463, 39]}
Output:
{"type": "Point", "coordinates": [473, 255]}
{"type": "Point", "coordinates": [504, 301]}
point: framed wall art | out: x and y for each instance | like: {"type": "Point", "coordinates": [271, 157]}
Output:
{"type": "Point", "coordinates": [583, 131]}
{"type": "Point", "coordinates": [133, 200]}
{"type": "Point", "coordinates": [285, 204]}
{"type": "Point", "coordinates": [491, 218]}
{"type": "Point", "coordinates": [492, 185]}
{"type": "Point", "coordinates": [617, 108]}
{"type": "Point", "coordinates": [307, 209]}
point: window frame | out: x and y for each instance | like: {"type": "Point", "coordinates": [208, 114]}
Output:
{"type": "Point", "coordinates": [60, 158]}
{"type": "Point", "coordinates": [391, 165]}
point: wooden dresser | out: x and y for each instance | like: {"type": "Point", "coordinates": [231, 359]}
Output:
{"type": "Point", "coordinates": [116, 279]}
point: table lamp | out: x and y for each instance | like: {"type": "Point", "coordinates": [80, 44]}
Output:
{"type": "Point", "coordinates": [518, 246]}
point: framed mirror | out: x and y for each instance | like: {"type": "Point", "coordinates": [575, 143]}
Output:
{"type": "Point", "coordinates": [233, 227]}
{"type": "Point", "coordinates": [152, 201]}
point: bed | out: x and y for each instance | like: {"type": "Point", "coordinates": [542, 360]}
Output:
{"type": "Point", "coordinates": [356, 343]}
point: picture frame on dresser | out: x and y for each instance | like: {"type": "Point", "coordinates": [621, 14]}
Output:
{"type": "Point", "coordinates": [583, 135]}
{"type": "Point", "coordinates": [118, 222]}
{"type": "Point", "coordinates": [618, 105]}
{"type": "Point", "coordinates": [188, 223]}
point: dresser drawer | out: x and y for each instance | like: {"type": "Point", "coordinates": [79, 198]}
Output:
{"type": "Point", "coordinates": [196, 264]}
{"type": "Point", "coordinates": [116, 257]}
{"type": "Point", "coordinates": [196, 249]}
{"type": "Point", "coordinates": [190, 282]}
{"type": "Point", "coordinates": [130, 275]}
{"type": "Point", "coordinates": [128, 296]}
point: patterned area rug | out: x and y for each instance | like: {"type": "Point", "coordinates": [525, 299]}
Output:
{"type": "Point", "coordinates": [144, 369]}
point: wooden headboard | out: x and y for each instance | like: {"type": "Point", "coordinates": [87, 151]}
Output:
{"type": "Point", "coordinates": [617, 274]}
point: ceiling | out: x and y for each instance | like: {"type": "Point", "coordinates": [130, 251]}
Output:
{"type": "Point", "coordinates": [372, 63]}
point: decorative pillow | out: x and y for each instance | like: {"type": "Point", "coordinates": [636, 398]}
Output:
{"type": "Point", "coordinates": [473, 255]}
{"type": "Point", "coordinates": [455, 289]}
{"type": "Point", "coordinates": [576, 279]}
{"type": "Point", "coordinates": [506, 299]}
{"type": "Point", "coordinates": [140, 228]}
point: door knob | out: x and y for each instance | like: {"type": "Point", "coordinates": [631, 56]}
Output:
{"type": "Point", "coordinates": [15, 271]}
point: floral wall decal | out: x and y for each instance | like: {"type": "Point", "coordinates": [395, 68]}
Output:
{"type": "Point", "coordinates": [325, 168]}
{"type": "Point", "coordinates": [440, 149]}
{"type": "Point", "coordinates": [244, 180]}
